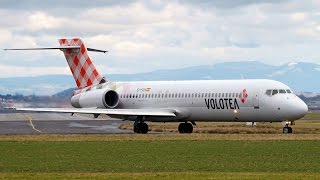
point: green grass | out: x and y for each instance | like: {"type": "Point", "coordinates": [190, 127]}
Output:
{"type": "Point", "coordinates": [160, 156]}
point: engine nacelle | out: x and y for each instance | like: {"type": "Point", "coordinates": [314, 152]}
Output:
{"type": "Point", "coordinates": [98, 98]}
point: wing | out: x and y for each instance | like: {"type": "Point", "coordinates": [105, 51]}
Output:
{"type": "Point", "coordinates": [123, 112]}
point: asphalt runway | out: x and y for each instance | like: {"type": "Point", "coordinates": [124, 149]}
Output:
{"type": "Point", "coordinates": [57, 123]}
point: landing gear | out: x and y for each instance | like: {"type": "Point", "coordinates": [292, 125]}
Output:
{"type": "Point", "coordinates": [287, 129]}
{"type": "Point", "coordinates": [185, 128]}
{"type": "Point", "coordinates": [140, 128]}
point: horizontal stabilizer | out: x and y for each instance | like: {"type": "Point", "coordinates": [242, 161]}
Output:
{"type": "Point", "coordinates": [60, 47]}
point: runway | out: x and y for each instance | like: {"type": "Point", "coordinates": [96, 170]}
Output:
{"type": "Point", "coordinates": [55, 123]}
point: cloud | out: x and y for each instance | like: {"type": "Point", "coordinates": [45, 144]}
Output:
{"type": "Point", "coordinates": [298, 16]}
{"type": "Point", "coordinates": [229, 3]}
{"type": "Point", "coordinates": [148, 35]}
{"type": "Point", "coordinates": [55, 4]}
{"type": "Point", "coordinates": [41, 21]}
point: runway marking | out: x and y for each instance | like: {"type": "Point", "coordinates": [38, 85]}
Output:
{"type": "Point", "coordinates": [31, 124]}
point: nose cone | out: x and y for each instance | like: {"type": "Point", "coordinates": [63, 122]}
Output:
{"type": "Point", "coordinates": [301, 109]}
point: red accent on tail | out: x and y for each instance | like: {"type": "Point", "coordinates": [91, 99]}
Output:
{"type": "Point", "coordinates": [84, 72]}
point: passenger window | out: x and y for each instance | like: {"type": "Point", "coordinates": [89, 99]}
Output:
{"type": "Point", "coordinates": [282, 91]}
{"type": "Point", "coordinates": [289, 91]}
{"type": "Point", "coordinates": [275, 91]}
{"type": "Point", "coordinates": [268, 92]}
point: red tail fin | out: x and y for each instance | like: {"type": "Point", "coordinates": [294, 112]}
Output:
{"type": "Point", "coordinates": [84, 72]}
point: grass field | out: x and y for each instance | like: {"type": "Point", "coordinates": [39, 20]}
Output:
{"type": "Point", "coordinates": [216, 151]}
{"type": "Point", "coordinates": [204, 156]}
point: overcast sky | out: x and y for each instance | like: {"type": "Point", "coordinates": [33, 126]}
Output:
{"type": "Point", "coordinates": [148, 35]}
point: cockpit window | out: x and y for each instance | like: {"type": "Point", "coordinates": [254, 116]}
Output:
{"type": "Point", "coordinates": [289, 91]}
{"type": "Point", "coordinates": [268, 92]}
{"type": "Point", "coordinates": [275, 91]}
{"type": "Point", "coordinates": [282, 91]}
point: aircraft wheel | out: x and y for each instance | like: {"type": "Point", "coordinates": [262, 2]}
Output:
{"type": "Point", "coordinates": [144, 128]}
{"type": "Point", "coordinates": [185, 128]}
{"type": "Point", "coordinates": [290, 130]}
{"type": "Point", "coordinates": [181, 128]}
{"type": "Point", "coordinates": [141, 128]}
{"type": "Point", "coordinates": [189, 128]}
{"type": "Point", "coordinates": [287, 130]}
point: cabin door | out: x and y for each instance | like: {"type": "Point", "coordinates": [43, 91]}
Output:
{"type": "Point", "coordinates": [256, 101]}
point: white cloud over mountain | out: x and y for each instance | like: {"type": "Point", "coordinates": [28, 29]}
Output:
{"type": "Point", "coordinates": [147, 35]}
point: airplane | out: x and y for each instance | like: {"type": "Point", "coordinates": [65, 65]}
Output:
{"type": "Point", "coordinates": [187, 102]}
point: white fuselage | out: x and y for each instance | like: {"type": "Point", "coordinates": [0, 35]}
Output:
{"type": "Point", "coordinates": [204, 100]}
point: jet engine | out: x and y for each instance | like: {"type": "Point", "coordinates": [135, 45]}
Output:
{"type": "Point", "coordinates": [97, 98]}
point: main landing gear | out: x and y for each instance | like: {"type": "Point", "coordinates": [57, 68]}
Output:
{"type": "Point", "coordinates": [140, 128]}
{"type": "Point", "coordinates": [287, 129]}
{"type": "Point", "coordinates": [185, 128]}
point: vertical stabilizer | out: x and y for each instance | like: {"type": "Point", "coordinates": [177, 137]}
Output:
{"type": "Point", "coordinates": [84, 72]}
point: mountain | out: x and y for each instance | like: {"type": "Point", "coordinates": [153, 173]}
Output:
{"type": "Point", "coordinates": [301, 77]}
{"type": "Point", "coordinates": [38, 85]}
